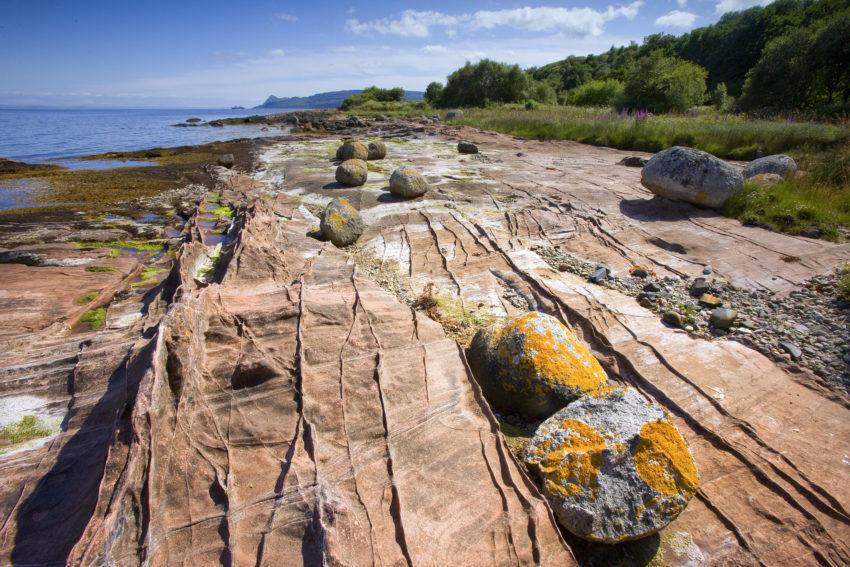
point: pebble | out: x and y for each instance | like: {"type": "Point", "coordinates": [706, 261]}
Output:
{"type": "Point", "coordinates": [707, 270]}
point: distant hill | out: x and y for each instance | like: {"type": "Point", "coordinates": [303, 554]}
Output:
{"type": "Point", "coordinates": [323, 100]}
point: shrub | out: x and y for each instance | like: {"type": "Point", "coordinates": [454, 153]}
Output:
{"type": "Point", "coordinates": [596, 93]}
{"type": "Point", "coordinates": [544, 93]}
{"type": "Point", "coordinates": [433, 93]}
{"type": "Point", "coordinates": [661, 84]}
{"type": "Point", "coordinates": [476, 84]}
{"type": "Point", "coordinates": [373, 93]}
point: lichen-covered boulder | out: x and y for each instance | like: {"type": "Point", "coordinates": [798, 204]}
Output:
{"type": "Point", "coordinates": [352, 149]}
{"type": "Point", "coordinates": [341, 223]}
{"type": "Point", "coordinates": [226, 160]}
{"type": "Point", "coordinates": [467, 147]}
{"type": "Point", "coordinates": [352, 172]}
{"type": "Point", "coordinates": [407, 182]}
{"type": "Point", "coordinates": [377, 150]}
{"type": "Point", "coordinates": [533, 365]}
{"type": "Point", "coordinates": [779, 164]}
{"type": "Point", "coordinates": [613, 466]}
{"type": "Point", "coordinates": [454, 114]}
{"type": "Point", "coordinates": [686, 174]}
{"type": "Point", "coordinates": [765, 179]}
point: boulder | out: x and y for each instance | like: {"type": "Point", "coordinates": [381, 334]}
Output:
{"type": "Point", "coordinates": [227, 160]}
{"type": "Point", "coordinates": [407, 182]}
{"type": "Point", "coordinates": [454, 114]}
{"type": "Point", "coordinates": [533, 365]}
{"type": "Point", "coordinates": [377, 150]}
{"type": "Point", "coordinates": [352, 149]}
{"type": "Point", "coordinates": [341, 223]}
{"type": "Point", "coordinates": [779, 164]}
{"type": "Point", "coordinates": [467, 148]}
{"type": "Point", "coordinates": [633, 161]}
{"type": "Point", "coordinates": [765, 179]}
{"type": "Point", "coordinates": [613, 466]}
{"type": "Point", "coordinates": [685, 174]}
{"type": "Point", "coordinates": [599, 275]}
{"type": "Point", "coordinates": [352, 172]}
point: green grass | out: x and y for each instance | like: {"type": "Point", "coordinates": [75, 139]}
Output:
{"type": "Point", "coordinates": [844, 282]}
{"type": "Point", "coordinates": [94, 318]}
{"type": "Point", "coordinates": [87, 298]}
{"type": "Point", "coordinates": [148, 276]}
{"type": "Point", "coordinates": [29, 427]}
{"type": "Point", "coordinates": [724, 135]}
{"type": "Point", "coordinates": [137, 245]}
{"type": "Point", "coordinates": [99, 269]}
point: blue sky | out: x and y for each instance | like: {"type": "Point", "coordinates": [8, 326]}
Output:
{"type": "Point", "coordinates": [214, 53]}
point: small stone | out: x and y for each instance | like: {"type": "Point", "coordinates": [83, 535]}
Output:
{"type": "Point", "coordinates": [599, 275]}
{"type": "Point", "coordinates": [699, 286]}
{"type": "Point", "coordinates": [652, 287]}
{"type": "Point", "coordinates": [791, 349]}
{"type": "Point", "coordinates": [646, 302]}
{"type": "Point", "coordinates": [722, 318]}
{"type": "Point", "coordinates": [707, 270]}
{"type": "Point", "coordinates": [467, 147]}
{"type": "Point", "coordinates": [227, 160]}
{"type": "Point", "coordinates": [640, 273]}
{"type": "Point", "coordinates": [710, 300]}
{"type": "Point", "coordinates": [633, 161]}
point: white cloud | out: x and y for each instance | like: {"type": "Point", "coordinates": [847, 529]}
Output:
{"type": "Point", "coordinates": [276, 53]}
{"type": "Point", "coordinates": [574, 22]}
{"type": "Point", "coordinates": [682, 3]}
{"type": "Point", "coordinates": [410, 24]}
{"type": "Point", "coordinates": [724, 6]}
{"type": "Point", "coordinates": [677, 19]}
{"type": "Point", "coordinates": [434, 49]}
{"type": "Point", "coordinates": [286, 17]}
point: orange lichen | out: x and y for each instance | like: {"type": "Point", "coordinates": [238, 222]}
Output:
{"type": "Point", "coordinates": [639, 267]}
{"type": "Point", "coordinates": [604, 391]}
{"type": "Point", "coordinates": [574, 464]}
{"type": "Point", "coordinates": [555, 361]}
{"type": "Point", "coordinates": [663, 461]}
{"type": "Point", "coordinates": [336, 220]}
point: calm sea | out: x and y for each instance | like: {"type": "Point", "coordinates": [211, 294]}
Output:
{"type": "Point", "coordinates": [49, 135]}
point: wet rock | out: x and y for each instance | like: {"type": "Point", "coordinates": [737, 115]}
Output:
{"type": "Point", "coordinates": [633, 161]}
{"type": "Point", "coordinates": [377, 150]}
{"type": "Point", "coordinates": [226, 160]}
{"type": "Point", "coordinates": [722, 318]}
{"type": "Point", "coordinates": [791, 349]}
{"type": "Point", "coordinates": [533, 365]}
{"type": "Point", "coordinates": [467, 147]}
{"type": "Point", "coordinates": [686, 174]}
{"type": "Point", "coordinates": [352, 149]}
{"type": "Point", "coordinates": [454, 114]}
{"type": "Point", "coordinates": [341, 223]}
{"type": "Point", "coordinates": [599, 275]}
{"type": "Point", "coordinates": [95, 235]}
{"type": "Point", "coordinates": [613, 466]}
{"type": "Point", "coordinates": [352, 172]}
{"type": "Point", "coordinates": [765, 179]}
{"type": "Point", "coordinates": [408, 182]}
{"type": "Point", "coordinates": [779, 164]}
{"type": "Point", "coordinates": [673, 319]}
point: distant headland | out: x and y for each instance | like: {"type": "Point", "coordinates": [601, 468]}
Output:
{"type": "Point", "coordinates": [330, 99]}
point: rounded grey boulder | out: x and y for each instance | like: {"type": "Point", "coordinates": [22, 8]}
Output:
{"type": "Point", "coordinates": [377, 150]}
{"type": "Point", "coordinates": [613, 466]}
{"type": "Point", "coordinates": [352, 172]}
{"type": "Point", "coordinates": [226, 160]}
{"type": "Point", "coordinates": [454, 114]}
{"type": "Point", "coordinates": [352, 149]}
{"type": "Point", "coordinates": [467, 148]}
{"type": "Point", "coordinates": [779, 164]}
{"type": "Point", "coordinates": [686, 174]}
{"type": "Point", "coordinates": [407, 182]}
{"type": "Point", "coordinates": [341, 223]}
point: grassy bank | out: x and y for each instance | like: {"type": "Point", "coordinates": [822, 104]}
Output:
{"type": "Point", "coordinates": [815, 204]}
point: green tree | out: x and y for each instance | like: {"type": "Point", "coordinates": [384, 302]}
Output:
{"type": "Point", "coordinates": [373, 93]}
{"type": "Point", "coordinates": [782, 78]}
{"type": "Point", "coordinates": [597, 93]}
{"type": "Point", "coordinates": [830, 58]}
{"type": "Point", "coordinates": [660, 84]}
{"type": "Point", "coordinates": [543, 93]}
{"type": "Point", "coordinates": [475, 84]}
{"type": "Point", "coordinates": [434, 93]}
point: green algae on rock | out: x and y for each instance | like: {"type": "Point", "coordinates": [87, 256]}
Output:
{"type": "Point", "coordinates": [613, 466]}
{"type": "Point", "coordinates": [533, 365]}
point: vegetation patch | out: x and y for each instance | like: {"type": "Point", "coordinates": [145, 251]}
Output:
{"type": "Point", "coordinates": [844, 283]}
{"type": "Point", "coordinates": [87, 298]}
{"type": "Point", "coordinates": [94, 318]}
{"type": "Point", "coordinates": [222, 212]}
{"type": "Point", "coordinates": [118, 245]}
{"type": "Point", "coordinates": [458, 322]}
{"type": "Point", "coordinates": [148, 276]}
{"type": "Point", "coordinates": [29, 427]}
{"type": "Point", "coordinates": [99, 269]}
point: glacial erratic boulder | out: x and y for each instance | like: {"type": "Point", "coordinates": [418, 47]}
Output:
{"type": "Point", "coordinates": [407, 182]}
{"type": "Point", "coordinates": [341, 223]}
{"type": "Point", "coordinates": [352, 149]}
{"type": "Point", "coordinates": [467, 147]}
{"type": "Point", "coordinates": [352, 172]}
{"type": "Point", "coordinates": [779, 164]}
{"type": "Point", "coordinates": [227, 160]}
{"type": "Point", "coordinates": [533, 365]}
{"type": "Point", "coordinates": [694, 176]}
{"type": "Point", "coordinates": [454, 114]}
{"type": "Point", "coordinates": [613, 466]}
{"type": "Point", "coordinates": [377, 150]}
